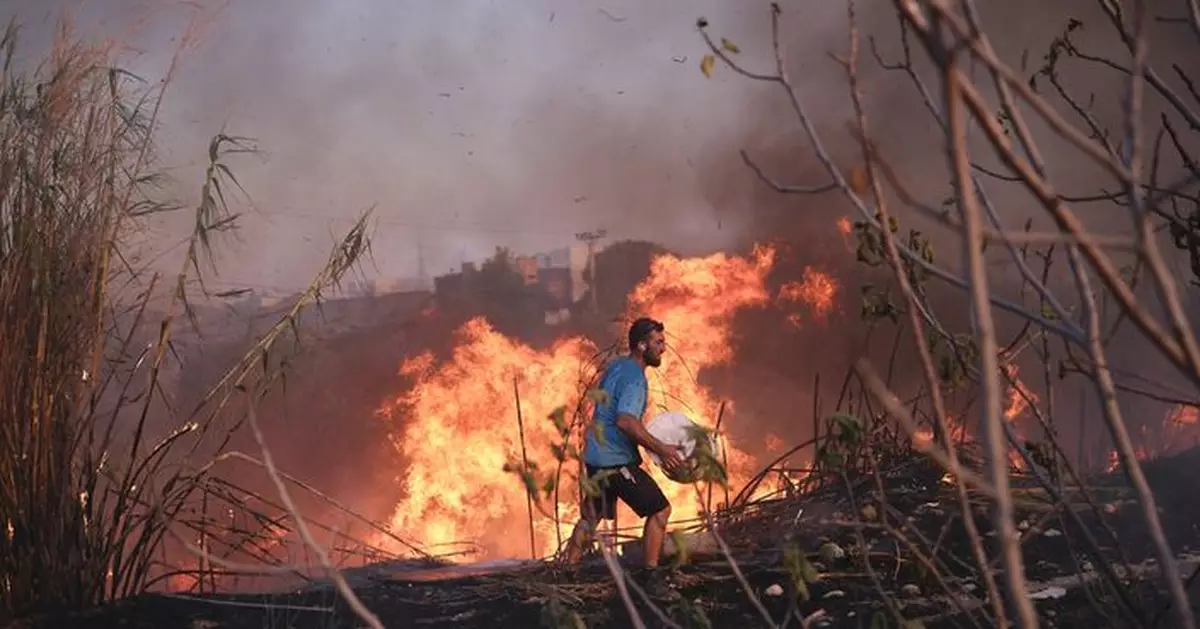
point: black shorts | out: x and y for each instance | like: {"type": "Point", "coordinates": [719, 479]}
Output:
{"type": "Point", "coordinates": [632, 485]}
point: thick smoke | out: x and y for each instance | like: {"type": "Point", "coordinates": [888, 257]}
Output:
{"type": "Point", "coordinates": [778, 371]}
{"type": "Point", "coordinates": [466, 125]}
{"type": "Point", "coordinates": [520, 122]}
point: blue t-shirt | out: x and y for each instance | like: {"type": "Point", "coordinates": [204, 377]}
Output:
{"type": "Point", "coordinates": [624, 381]}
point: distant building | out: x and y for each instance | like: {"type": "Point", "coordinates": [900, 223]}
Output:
{"type": "Point", "coordinates": [390, 286]}
{"type": "Point", "coordinates": [556, 294]}
{"type": "Point", "coordinates": [559, 273]}
{"type": "Point", "coordinates": [578, 264]}
{"type": "Point", "coordinates": [527, 266]}
{"type": "Point", "coordinates": [574, 258]}
{"type": "Point", "coordinates": [453, 286]}
{"type": "Point", "coordinates": [554, 259]}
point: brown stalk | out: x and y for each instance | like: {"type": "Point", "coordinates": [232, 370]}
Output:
{"type": "Point", "coordinates": [919, 341]}
{"type": "Point", "coordinates": [1169, 346]}
{"type": "Point", "coordinates": [1125, 449]}
{"type": "Point", "coordinates": [525, 468]}
{"type": "Point", "coordinates": [86, 497]}
{"type": "Point", "coordinates": [994, 439]}
{"type": "Point", "coordinates": [339, 581]}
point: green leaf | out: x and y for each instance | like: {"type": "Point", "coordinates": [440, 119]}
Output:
{"type": "Point", "coordinates": [591, 485]}
{"type": "Point", "coordinates": [559, 417]}
{"type": "Point", "coordinates": [590, 488]}
{"type": "Point", "coordinates": [831, 552]}
{"type": "Point", "coordinates": [598, 396]}
{"type": "Point", "coordinates": [808, 571]}
{"type": "Point", "coordinates": [693, 616]}
{"type": "Point", "coordinates": [598, 433]}
{"type": "Point", "coordinates": [833, 458]}
{"type": "Point", "coordinates": [530, 483]}
{"type": "Point", "coordinates": [792, 562]}
{"type": "Point", "coordinates": [849, 428]}
{"type": "Point", "coordinates": [846, 421]}
{"type": "Point", "coordinates": [556, 615]}
{"type": "Point", "coordinates": [682, 551]}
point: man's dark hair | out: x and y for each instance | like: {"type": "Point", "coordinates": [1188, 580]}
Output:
{"type": "Point", "coordinates": [642, 329]}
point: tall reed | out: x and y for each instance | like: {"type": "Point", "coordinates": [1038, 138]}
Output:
{"type": "Point", "coordinates": [97, 469]}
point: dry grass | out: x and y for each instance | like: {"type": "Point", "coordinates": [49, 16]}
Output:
{"type": "Point", "coordinates": [94, 462]}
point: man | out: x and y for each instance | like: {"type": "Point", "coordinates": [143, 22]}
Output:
{"type": "Point", "coordinates": [611, 452]}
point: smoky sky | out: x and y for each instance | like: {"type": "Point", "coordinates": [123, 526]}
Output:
{"type": "Point", "coordinates": [466, 125]}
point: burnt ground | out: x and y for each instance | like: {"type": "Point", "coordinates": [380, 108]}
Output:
{"type": "Point", "coordinates": [835, 528]}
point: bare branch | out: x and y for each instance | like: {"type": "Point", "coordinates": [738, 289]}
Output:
{"type": "Point", "coordinates": [993, 421]}
{"type": "Point", "coordinates": [1125, 449]}
{"type": "Point", "coordinates": [778, 187]}
{"type": "Point", "coordinates": [322, 554]}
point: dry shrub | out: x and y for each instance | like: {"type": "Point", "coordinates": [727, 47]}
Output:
{"type": "Point", "coordinates": [94, 464]}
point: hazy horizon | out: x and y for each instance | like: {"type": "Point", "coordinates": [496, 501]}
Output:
{"type": "Point", "coordinates": [466, 125]}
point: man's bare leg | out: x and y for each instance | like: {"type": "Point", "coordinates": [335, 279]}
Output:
{"type": "Point", "coordinates": [584, 533]}
{"type": "Point", "coordinates": [582, 536]}
{"type": "Point", "coordinates": [654, 533]}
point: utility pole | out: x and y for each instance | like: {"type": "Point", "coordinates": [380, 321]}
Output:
{"type": "Point", "coordinates": [422, 273]}
{"type": "Point", "coordinates": [590, 238]}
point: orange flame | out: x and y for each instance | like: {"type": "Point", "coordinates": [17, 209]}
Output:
{"type": "Point", "coordinates": [1019, 400]}
{"type": "Point", "coordinates": [845, 227]}
{"type": "Point", "coordinates": [1179, 429]}
{"type": "Point", "coordinates": [1019, 396]}
{"type": "Point", "coordinates": [817, 290]}
{"type": "Point", "coordinates": [461, 428]}
{"type": "Point", "coordinates": [456, 427]}
{"type": "Point", "coordinates": [1184, 415]}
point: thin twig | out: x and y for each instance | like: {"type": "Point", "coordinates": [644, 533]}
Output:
{"type": "Point", "coordinates": [525, 468]}
{"type": "Point", "coordinates": [993, 428]}
{"type": "Point", "coordinates": [1124, 445]}
{"type": "Point", "coordinates": [339, 581]}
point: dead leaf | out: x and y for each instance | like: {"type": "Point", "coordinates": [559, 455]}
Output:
{"type": "Point", "coordinates": [859, 181]}
{"type": "Point", "coordinates": [730, 46]}
{"type": "Point", "coordinates": [706, 65]}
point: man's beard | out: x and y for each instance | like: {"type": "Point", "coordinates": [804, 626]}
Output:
{"type": "Point", "coordinates": [653, 360]}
